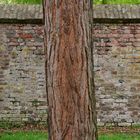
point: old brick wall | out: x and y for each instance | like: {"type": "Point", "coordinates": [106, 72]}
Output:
{"type": "Point", "coordinates": [117, 72]}
{"type": "Point", "coordinates": [22, 73]}
{"type": "Point", "coordinates": [117, 64]}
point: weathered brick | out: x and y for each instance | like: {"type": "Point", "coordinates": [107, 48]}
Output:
{"type": "Point", "coordinates": [118, 72]}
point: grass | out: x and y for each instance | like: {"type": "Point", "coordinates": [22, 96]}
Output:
{"type": "Point", "coordinates": [43, 136]}
{"type": "Point", "coordinates": [23, 136]}
{"type": "Point", "coordinates": [120, 137]}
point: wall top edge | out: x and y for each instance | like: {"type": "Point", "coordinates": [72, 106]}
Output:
{"type": "Point", "coordinates": [34, 13]}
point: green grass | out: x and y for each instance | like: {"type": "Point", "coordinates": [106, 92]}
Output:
{"type": "Point", "coordinates": [120, 137]}
{"type": "Point", "coordinates": [43, 136]}
{"type": "Point", "coordinates": [23, 136]}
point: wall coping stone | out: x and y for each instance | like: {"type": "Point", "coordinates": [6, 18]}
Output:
{"type": "Point", "coordinates": [117, 13]}
{"type": "Point", "coordinates": [102, 13]}
{"type": "Point", "coordinates": [20, 13]}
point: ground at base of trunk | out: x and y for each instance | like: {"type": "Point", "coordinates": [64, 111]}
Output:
{"type": "Point", "coordinates": [101, 130]}
{"type": "Point", "coordinates": [123, 129]}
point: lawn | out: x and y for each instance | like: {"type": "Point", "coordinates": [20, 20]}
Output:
{"type": "Point", "coordinates": [43, 136]}
{"type": "Point", "coordinates": [23, 136]}
{"type": "Point", "coordinates": [120, 137]}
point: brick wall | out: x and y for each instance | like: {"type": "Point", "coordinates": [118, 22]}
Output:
{"type": "Point", "coordinates": [117, 72]}
{"type": "Point", "coordinates": [22, 73]}
{"type": "Point", "coordinates": [116, 55]}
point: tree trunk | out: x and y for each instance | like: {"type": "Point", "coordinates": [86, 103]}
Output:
{"type": "Point", "coordinates": [69, 68]}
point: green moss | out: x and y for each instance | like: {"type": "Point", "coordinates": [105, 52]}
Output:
{"type": "Point", "coordinates": [2, 48]}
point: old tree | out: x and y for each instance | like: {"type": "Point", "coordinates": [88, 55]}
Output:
{"type": "Point", "coordinates": [69, 69]}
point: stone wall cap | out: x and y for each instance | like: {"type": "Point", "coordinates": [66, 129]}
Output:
{"type": "Point", "coordinates": [21, 13]}
{"type": "Point", "coordinates": [34, 13]}
{"type": "Point", "coordinates": [116, 11]}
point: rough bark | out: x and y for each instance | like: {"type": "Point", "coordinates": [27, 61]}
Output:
{"type": "Point", "coordinates": [69, 69]}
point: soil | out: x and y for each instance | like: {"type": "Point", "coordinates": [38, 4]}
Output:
{"type": "Point", "coordinates": [101, 130]}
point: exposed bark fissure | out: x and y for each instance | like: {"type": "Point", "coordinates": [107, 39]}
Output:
{"type": "Point", "coordinates": [70, 84]}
